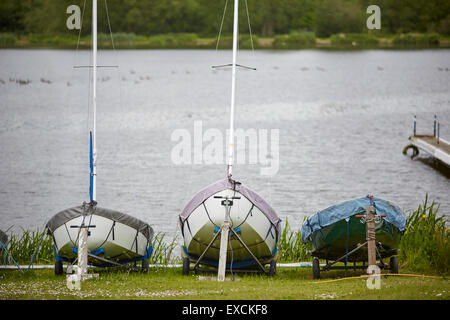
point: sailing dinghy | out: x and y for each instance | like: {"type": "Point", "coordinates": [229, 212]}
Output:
{"type": "Point", "coordinates": [254, 227]}
{"type": "Point", "coordinates": [338, 233]}
{"type": "Point", "coordinates": [114, 238]}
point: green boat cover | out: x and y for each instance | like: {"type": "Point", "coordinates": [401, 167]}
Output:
{"type": "Point", "coordinates": [347, 209]}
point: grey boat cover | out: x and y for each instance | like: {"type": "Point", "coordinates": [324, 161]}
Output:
{"type": "Point", "coordinates": [3, 237]}
{"type": "Point", "coordinates": [86, 209]}
{"type": "Point", "coordinates": [343, 210]}
{"type": "Point", "coordinates": [224, 184]}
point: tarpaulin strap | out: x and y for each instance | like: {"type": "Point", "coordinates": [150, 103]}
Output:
{"type": "Point", "coordinates": [207, 213]}
{"type": "Point", "coordinates": [248, 214]}
{"type": "Point", "coordinates": [269, 232]}
{"type": "Point", "coordinates": [234, 183]}
{"type": "Point", "coordinates": [107, 236]}
{"type": "Point", "coordinates": [68, 234]}
{"type": "Point", "coordinates": [372, 201]}
{"type": "Point", "coordinates": [189, 227]}
{"type": "Point", "coordinates": [114, 224]}
{"type": "Point", "coordinates": [136, 239]}
{"type": "Point", "coordinates": [181, 224]}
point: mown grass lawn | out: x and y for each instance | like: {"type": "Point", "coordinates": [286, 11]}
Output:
{"type": "Point", "coordinates": [289, 283]}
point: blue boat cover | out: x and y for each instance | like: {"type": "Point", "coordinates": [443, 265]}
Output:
{"type": "Point", "coordinates": [344, 210]}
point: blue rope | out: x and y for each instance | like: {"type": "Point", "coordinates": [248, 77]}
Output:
{"type": "Point", "coordinates": [34, 252]}
{"type": "Point", "coordinates": [10, 256]}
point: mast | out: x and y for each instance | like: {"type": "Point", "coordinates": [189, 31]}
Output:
{"type": "Point", "coordinates": [233, 90]}
{"type": "Point", "coordinates": [94, 104]}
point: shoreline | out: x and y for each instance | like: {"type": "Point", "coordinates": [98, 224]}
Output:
{"type": "Point", "coordinates": [294, 41]}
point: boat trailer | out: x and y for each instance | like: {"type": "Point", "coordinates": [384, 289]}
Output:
{"type": "Point", "coordinates": [225, 231]}
{"type": "Point", "coordinates": [372, 251]}
{"type": "Point", "coordinates": [83, 254]}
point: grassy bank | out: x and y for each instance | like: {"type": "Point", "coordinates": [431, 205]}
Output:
{"type": "Point", "coordinates": [170, 284]}
{"type": "Point", "coordinates": [424, 247]}
{"type": "Point", "coordinates": [294, 40]}
{"type": "Point", "coordinates": [37, 247]}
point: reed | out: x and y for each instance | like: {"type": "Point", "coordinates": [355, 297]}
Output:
{"type": "Point", "coordinates": [291, 248]}
{"type": "Point", "coordinates": [36, 245]}
{"type": "Point", "coordinates": [163, 252]}
{"type": "Point", "coordinates": [425, 244]}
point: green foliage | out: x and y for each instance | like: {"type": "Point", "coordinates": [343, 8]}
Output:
{"type": "Point", "coordinates": [39, 243]}
{"type": "Point", "coordinates": [245, 41]}
{"type": "Point", "coordinates": [22, 248]}
{"type": "Point", "coordinates": [336, 16]}
{"type": "Point", "coordinates": [203, 17]}
{"type": "Point", "coordinates": [354, 39]}
{"type": "Point", "coordinates": [52, 41]}
{"type": "Point", "coordinates": [411, 39]}
{"type": "Point", "coordinates": [425, 244]}
{"type": "Point", "coordinates": [294, 40]}
{"type": "Point", "coordinates": [7, 39]}
{"type": "Point", "coordinates": [291, 248]}
{"type": "Point", "coordinates": [171, 40]}
{"type": "Point", "coordinates": [444, 26]}
{"type": "Point", "coordinates": [163, 252]}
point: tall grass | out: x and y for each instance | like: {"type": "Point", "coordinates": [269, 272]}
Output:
{"type": "Point", "coordinates": [39, 246]}
{"type": "Point", "coordinates": [425, 244]}
{"type": "Point", "coordinates": [29, 243]}
{"type": "Point", "coordinates": [291, 248]}
{"type": "Point", "coordinates": [163, 252]}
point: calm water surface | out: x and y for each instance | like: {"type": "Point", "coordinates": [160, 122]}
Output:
{"type": "Point", "coordinates": [344, 118]}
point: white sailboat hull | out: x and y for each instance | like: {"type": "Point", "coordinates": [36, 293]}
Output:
{"type": "Point", "coordinates": [249, 222]}
{"type": "Point", "coordinates": [108, 239]}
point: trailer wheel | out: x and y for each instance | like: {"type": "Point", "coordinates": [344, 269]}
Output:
{"type": "Point", "coordinates": [144, 267]}
{"type": "Point", "coordinates": [58, 268]}
{"type": "Point", "coordinates": [393, 265]}
{"type": "Point", "coordinates": [186, 263]}
{"type": "Point", "coordinates": [273, 267]}
{"type": "Point", "coordinates": [316, 268]}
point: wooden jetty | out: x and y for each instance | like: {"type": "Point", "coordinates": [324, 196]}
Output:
{"type": "Point", "coordinates": [431, 144]}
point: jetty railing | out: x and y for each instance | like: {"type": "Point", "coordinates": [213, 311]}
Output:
{"type": "Point", "coordinates": [434, 145]}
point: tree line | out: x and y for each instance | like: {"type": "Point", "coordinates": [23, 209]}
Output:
{"type": "Point", "coordinates": [203, 17]}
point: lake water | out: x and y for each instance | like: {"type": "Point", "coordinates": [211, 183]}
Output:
{"type": "Point", "coordinates": [343, 120]}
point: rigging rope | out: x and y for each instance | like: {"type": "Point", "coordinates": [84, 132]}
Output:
{"type": "Point", "coordinates": [81, 26]}
{"type": "Point", "coordinates": [115, 54]}
{"type": "Point", "coordinates": [249, 27]}
{"type": "Point", "coordinates": [221, 24]}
